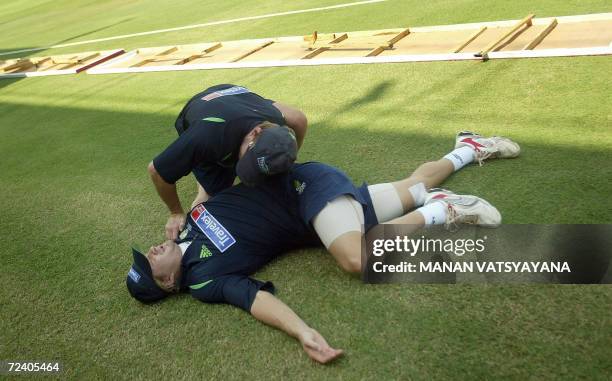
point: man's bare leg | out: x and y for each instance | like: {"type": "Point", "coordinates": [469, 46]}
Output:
{"type": "Point", "coordinates": [392, 201]}
{"type": "Point", "coordinates": [346, 249]}
{"type": "Point", "coordinates": [431, 174]}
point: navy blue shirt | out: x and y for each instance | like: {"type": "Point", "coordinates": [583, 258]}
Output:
{"type": "Point", "coordinates": [241, 229]}
{"type": "Point", "coordinates": [211, 128]}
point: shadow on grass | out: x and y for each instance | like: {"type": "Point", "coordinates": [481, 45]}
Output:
{"type": "Point", "coordinates": [118, 143]}
{"type": "Point", "coordinates": [94, 31]}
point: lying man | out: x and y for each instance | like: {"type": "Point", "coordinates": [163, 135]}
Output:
{"type": "Point", "coordinates": [238, 231]}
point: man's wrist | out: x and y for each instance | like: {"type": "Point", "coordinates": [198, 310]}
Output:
{"type": "Point", "coordinates": [302, 333]}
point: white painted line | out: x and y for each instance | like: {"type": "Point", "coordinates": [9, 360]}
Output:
{"type": "Point", "coordinates": [345, 5]}
{"type": "Point", "coordinates": [558, 52]}
{"type": "Point", "coordinates": [569, 52]}
{"type": "Point", "coordinates": [38, 74]}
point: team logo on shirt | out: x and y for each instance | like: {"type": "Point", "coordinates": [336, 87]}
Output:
{"type": "Point", "coordinates": [205, 252]}
{"type": "Point", "coordinates": [221, 93]}
{"type": "Point", "coordinates": [263, 167]}
{"type": "Point", "coordinates": [299, 186]}
{"type": "Point", "coordinates": [216, 233]}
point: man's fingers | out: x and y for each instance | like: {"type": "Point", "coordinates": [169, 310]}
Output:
{"type": "Point", "coordinates": [328, 355]}
{"type": "Point", "coordinates": [171, 232]}
{"type": "Point", "coordinates": [311, 344]}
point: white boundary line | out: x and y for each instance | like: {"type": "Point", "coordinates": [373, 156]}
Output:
{"type": "Point", "coordinates": [269, 15]}
{"type": "Point", "coordinates": [565, 52]}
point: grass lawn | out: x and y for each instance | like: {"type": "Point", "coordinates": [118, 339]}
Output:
{"type": "Point", "coordinates": [76, 195]}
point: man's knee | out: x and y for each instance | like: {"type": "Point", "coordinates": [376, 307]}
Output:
{"type": "Point", "coordinates": [351, 264]}
{"type": "Point", "coordinates": [346, 249]}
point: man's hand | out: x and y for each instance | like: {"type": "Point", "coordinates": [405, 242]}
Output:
{"type": "Point", "coordinates": [317, 348]}
{"type": "Point", "coordinates": [176, 223]}
{"type": "Point", "coordinates": [270, 310]}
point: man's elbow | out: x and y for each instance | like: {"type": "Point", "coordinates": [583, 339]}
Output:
{"type": "Point", "coordinates": [151, 169]}
{"type": "Point", "coordinates": [301, 122]}
{"type": "Point", "coordinates": [153, 173]}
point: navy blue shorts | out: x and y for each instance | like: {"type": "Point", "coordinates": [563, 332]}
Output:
{"type": "Point", "coordinates": [318, 183]}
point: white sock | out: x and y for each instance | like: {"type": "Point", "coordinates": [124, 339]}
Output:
{"type": "Point", "coordinates": [418, 193]}
{"type": "Point", "coordinates": [434, 213]}
{"type": "Point", "coordinates": [461, 157]}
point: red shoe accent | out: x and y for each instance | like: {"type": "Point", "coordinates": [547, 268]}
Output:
{"type": "Point", "coordinates": [439, 196]}
{"type": "Point", "coordinates": [471, 141]}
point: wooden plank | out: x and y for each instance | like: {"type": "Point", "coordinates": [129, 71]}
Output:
{"type": "Point", "coordinates": [399, 36]}
{"type": "Point", "coordinates": [101, 59]}
{"type": "Point", "coordinates": [252, 51]}
{"type": "Point", "coordinates": [316, 36]}
{"type": "Point", "coordinates": [73, 61]}
{"type": "Point", "coordinates": [376, 51]}
{"type": "Point", "coordinates": [536, 41]}
{"type": "Point", "coordinates": [182, 58]}
{"type": "Point", "coordinates": [213, 47]}
{"type": "Point", "coordinates": [168, 51]}
{"type": "Point", "coordinates": [470, 39]}
{"type": "Point", "coordinates": [526, 21]}
{"type": "Point", "coordinates": [21, 65]}
{"type": "Point", "coordinates": [321, 49]}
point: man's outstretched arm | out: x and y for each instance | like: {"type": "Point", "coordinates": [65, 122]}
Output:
{"type": "Point", "coordinates": [272, 311]}
{"type": "Point", "coordinates": [167, 192]}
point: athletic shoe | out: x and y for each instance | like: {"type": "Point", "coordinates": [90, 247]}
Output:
{"type": "Point", "coordinates": [465, 209]}
{"type": "Point", "coordinates": [495, 147]}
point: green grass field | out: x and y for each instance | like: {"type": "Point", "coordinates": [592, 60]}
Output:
{"type": "Point", "coordinates": [76, 195]}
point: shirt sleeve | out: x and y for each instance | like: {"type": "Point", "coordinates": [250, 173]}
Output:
{"type": "Point", "coordinates": [200, 144]}
{"type": "Point", "coordinates": [237, 290]}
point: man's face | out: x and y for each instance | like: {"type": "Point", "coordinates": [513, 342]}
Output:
{"type": "Point", "coordinates": [165, 259]}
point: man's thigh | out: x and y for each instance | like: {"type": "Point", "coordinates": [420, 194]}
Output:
{"type": "Point", "coordinates": [214, 178]}
{"type": "Point", "coordinates": [339, 225]}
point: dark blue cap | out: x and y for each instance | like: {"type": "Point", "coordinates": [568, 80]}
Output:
{"type": "Point", "coordinates": [140, 282]}
{"type": "Point", "coordinates": [274, 152]}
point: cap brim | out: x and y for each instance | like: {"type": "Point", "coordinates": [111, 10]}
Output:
{"type": "Point", "coordinates": [141, 261]}
{"type": "Point", "coordinates": [145, 289]}
{"type": "Point", "coordinates": [248, 171]}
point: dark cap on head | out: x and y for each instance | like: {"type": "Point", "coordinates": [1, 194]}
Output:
{"type": "Point", "coordinates": [140, 280]}
{"type": "Point", "coordinates": [274, 152]}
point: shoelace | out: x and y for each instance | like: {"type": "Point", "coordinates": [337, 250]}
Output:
{"type": "Point", "coordinates": [481, 156]}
